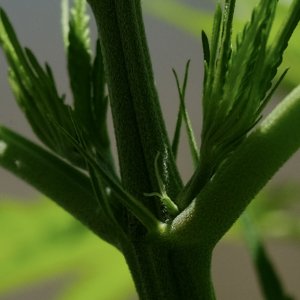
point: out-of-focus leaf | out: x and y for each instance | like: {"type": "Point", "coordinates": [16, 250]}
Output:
{"type": "Point", "coordinates": [276, 212]}
{"type": "Point", "coordinates": [181, 15]}
{"type": "Point", "coordinates": [269, 280]}
{"type": "Point", "coordinates": [114, 279]}
{"type": "Point", "coordinates": [40, 242]}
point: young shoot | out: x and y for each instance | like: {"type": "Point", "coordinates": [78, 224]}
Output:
{"type": "Point", "coordinates": [170, 206]}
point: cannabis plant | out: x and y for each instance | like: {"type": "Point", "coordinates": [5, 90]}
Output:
{"type": "Point", "coordinates": [166, 229]}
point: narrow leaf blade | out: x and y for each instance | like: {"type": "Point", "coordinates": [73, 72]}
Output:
{"type": "Point", "coordinates": [64, 184]}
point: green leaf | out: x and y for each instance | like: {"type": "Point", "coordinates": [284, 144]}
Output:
{"type": "Point", "coordinates": [141, 212]}
{"type": "Point", "coordinates": [35, 90]}
{"type": "Point", "coordinates": [237, 109]}
{"type": "Point", "coordinates": [100, 167]}
{"type": "Point", "coordinates": [88, 82]}
{"type": "Point", "coordinates": [64, 184]}
{"type": "Point", "coordinates": [205, 45]}
{"type": "Point", "coordinates": [176, 137]}
{"type": "Point", "coordinates": [10, 43]}
{"type": "Point", "coordinates": [193, 21]}
{"type": "Point", "coordinates": [36, 93]}
{"type": "Point", "coordinates": [238, 85]}
{"type": "Point", "coordinates": [209, 68]}
{"type": "Point", "coordinates": [281, 41]}
{"type": "Point", "coordinates": [183, 113]}
{"type": "Point", "coordinates": [224, 50]}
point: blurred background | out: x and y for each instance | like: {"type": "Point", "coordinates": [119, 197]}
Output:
{"type": "Point", "coordinates": [45, 254]}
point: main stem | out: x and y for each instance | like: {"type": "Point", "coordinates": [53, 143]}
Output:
{"type": "Point", "coordinates": [139, 126]}
{"type": "Point", "coordinates": [162, 272]}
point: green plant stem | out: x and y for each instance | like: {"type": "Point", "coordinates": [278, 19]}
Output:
{"type": "Point", "coordinates": [162, 272]}
{"type": "Point", "coordinates": [241, 176]}
{"type": "Point", "coordinates": [139, 127]}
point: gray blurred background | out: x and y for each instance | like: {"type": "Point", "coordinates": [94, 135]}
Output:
{"type": "Point", "coordinates": [37, 23]}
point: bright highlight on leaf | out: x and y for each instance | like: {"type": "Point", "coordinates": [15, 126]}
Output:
{"type": "Point", "coordinates": [3, 147]}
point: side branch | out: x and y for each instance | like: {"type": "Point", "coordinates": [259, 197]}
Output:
{"type": "Point", "coordinates": [242, 176]}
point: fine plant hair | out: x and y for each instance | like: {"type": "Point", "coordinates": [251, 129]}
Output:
{"type": "Point", "coordinates": [166, 230]}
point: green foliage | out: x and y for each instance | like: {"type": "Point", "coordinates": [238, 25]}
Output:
{"type": "Point", "coordinates": [233, 97]}
{"type": "Point", "coordinates": [180, 227]}
{"type": "Point", "coordinates": [36, 92]}
{"type": "Point", "coordinates": [37, 95]}
{"type": "Point", "coordinates": [267, 275]}
{"type": "Point", "coordinates": [193, 21]}
{"type": "Point", "coordinates": [237, 82]}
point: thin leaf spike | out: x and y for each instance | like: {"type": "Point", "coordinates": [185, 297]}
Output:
{"type": "Point", "coordinates": [205, 45]}
{"type": "Point", "coordinates": [225, 44]}
{"type": "Point", "coordinates": [184, 114]}
{"type": "Point", "coordinates": [280, 43]}
{"type": "Point", "coordinates": [215, 38]}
